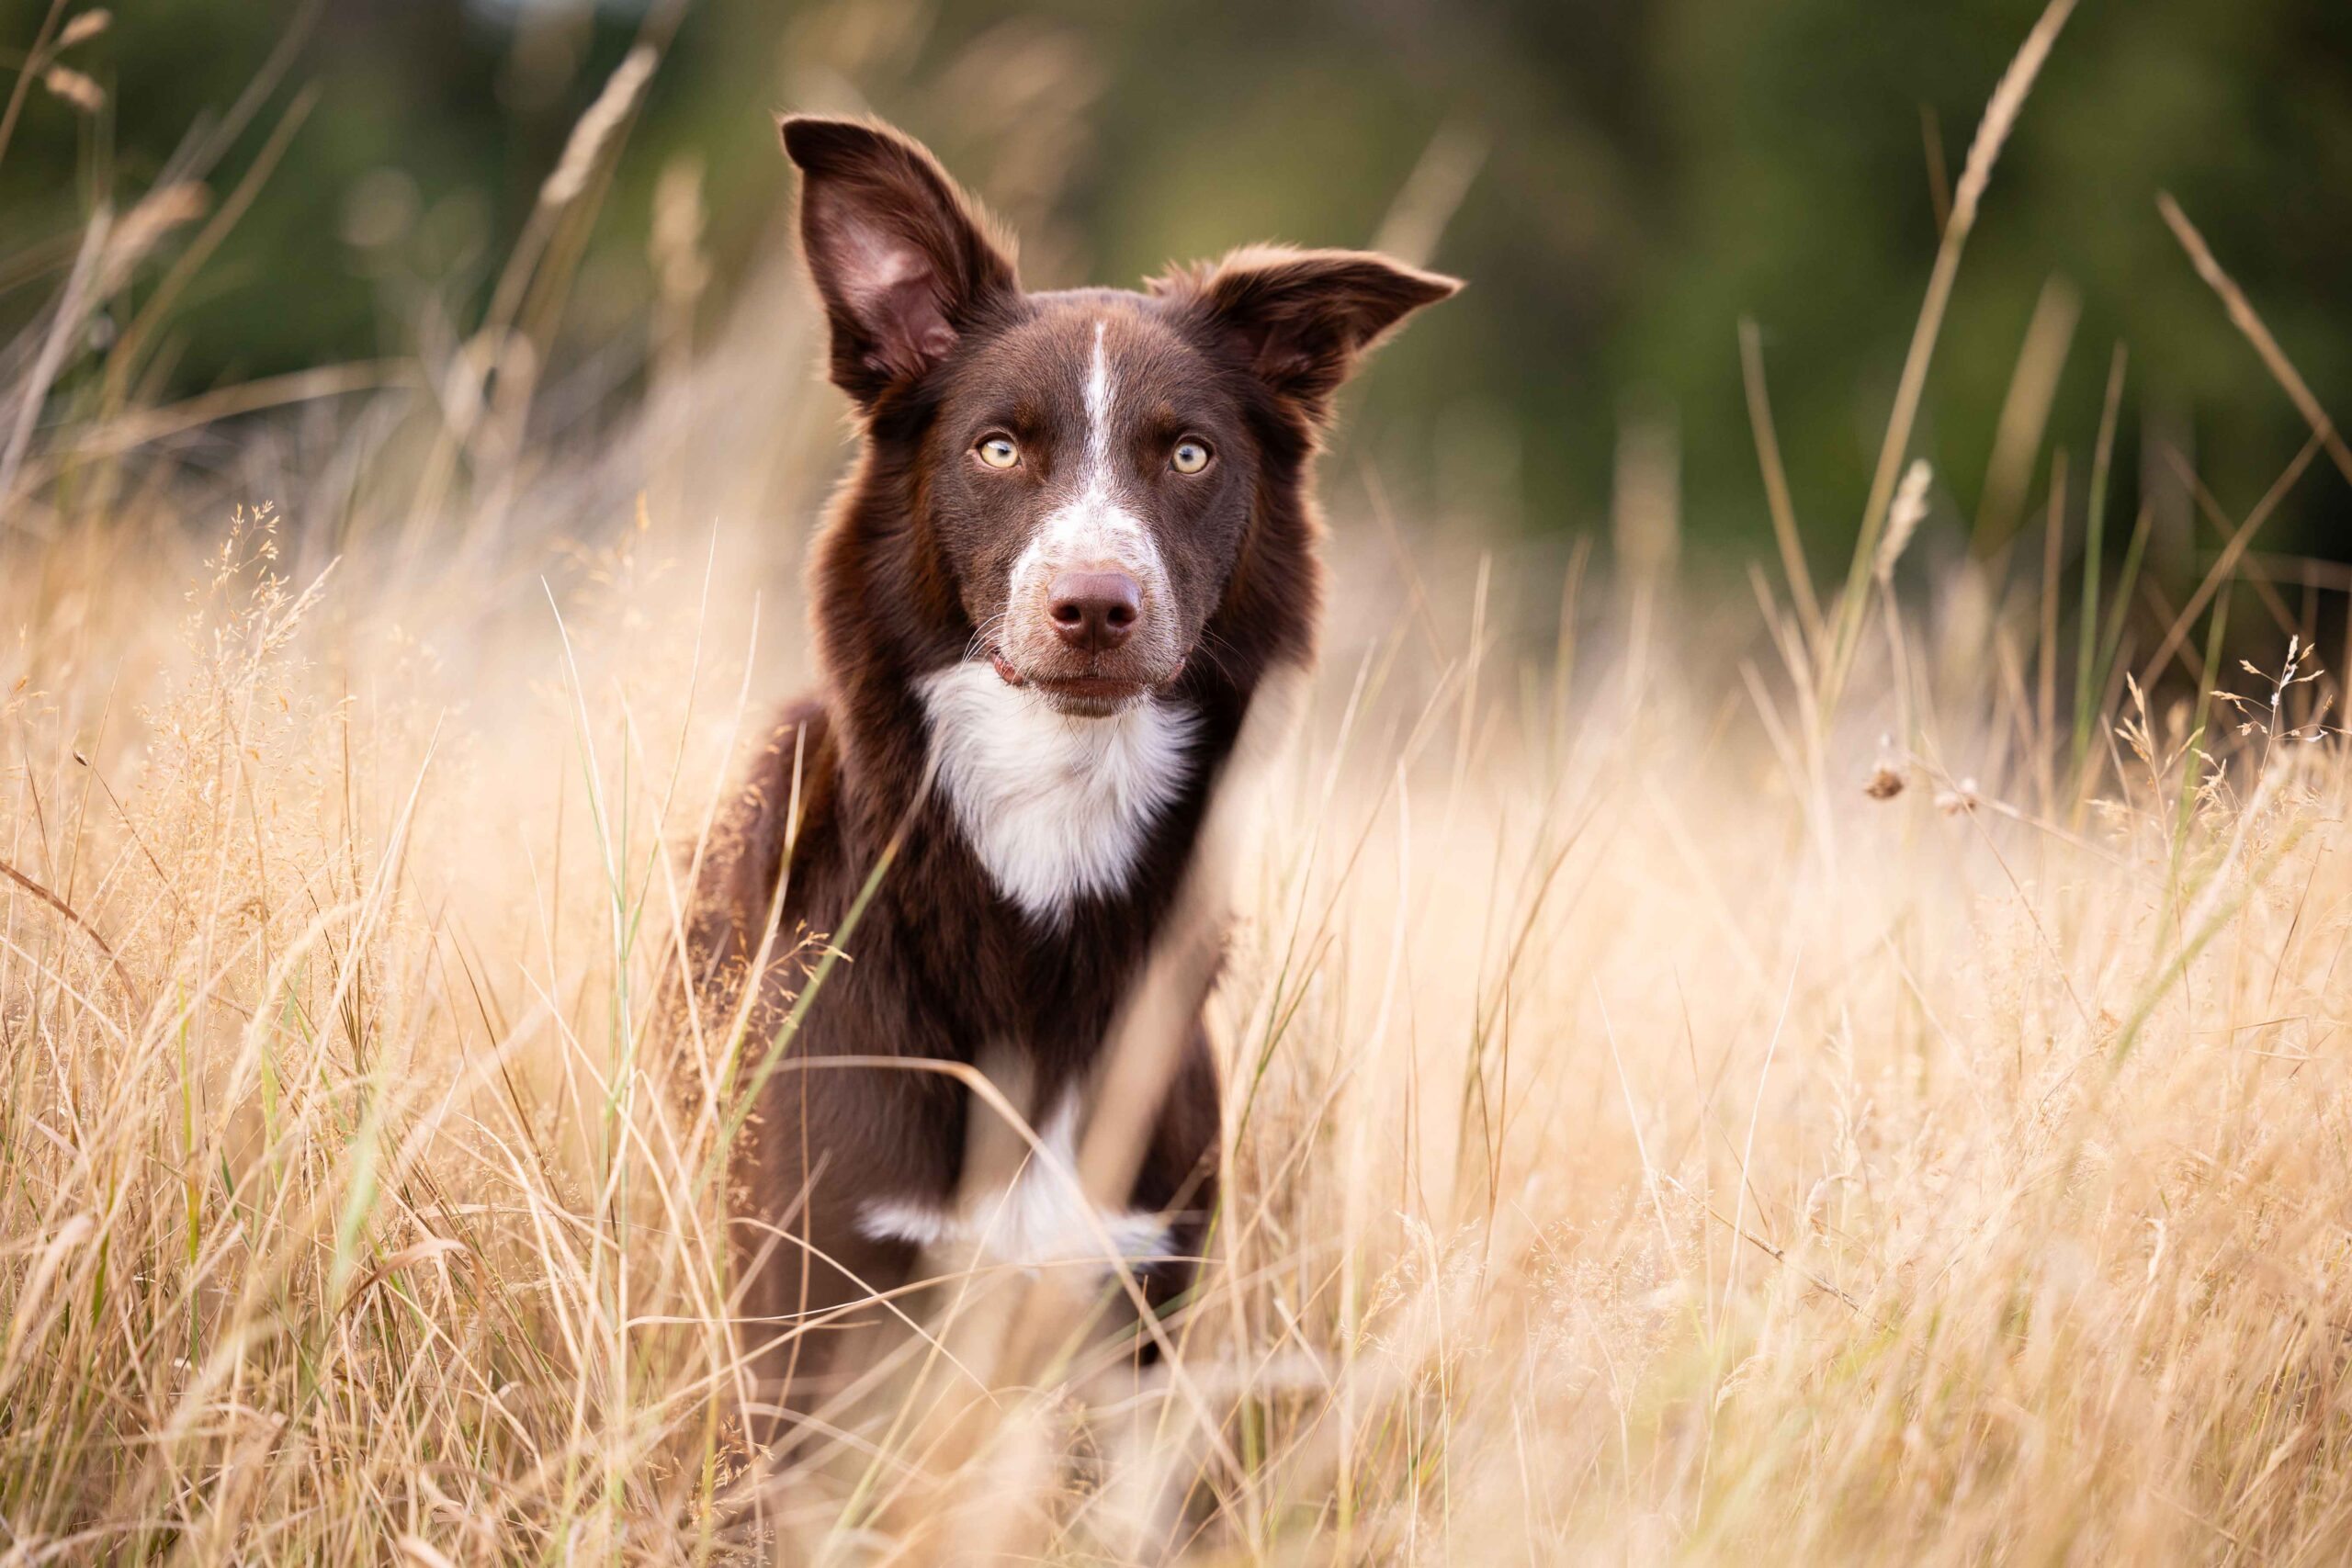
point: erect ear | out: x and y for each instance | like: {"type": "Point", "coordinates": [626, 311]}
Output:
{"type": "Point", "coordinates": [902, 258]}
{"type": "Point", "coordinates": [1303, 317]}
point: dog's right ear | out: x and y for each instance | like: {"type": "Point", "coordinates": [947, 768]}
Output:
{"type": "Point", "coordinates": [902, 258]}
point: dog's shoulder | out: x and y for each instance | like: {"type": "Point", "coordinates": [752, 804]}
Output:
{"type": "Point", "coordinates": [784, 811]}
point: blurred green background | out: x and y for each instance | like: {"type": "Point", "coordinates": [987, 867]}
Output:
{"type": "Point", "coordinates": [1621, 184]}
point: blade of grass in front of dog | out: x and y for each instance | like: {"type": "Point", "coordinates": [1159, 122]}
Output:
{"type": "Point", "coordinates": [2045, 708]}
{"type": "Point", "coordinates": [27, 69]}
{"type": "Point", "coordinates": [1369, 671]}
{"type": "Point", "coordinates": [790, 1029]}
{"type": "Point", "coordinates": [610, 823]}
{"type": "Point", "coordinates": [126, 358]}
{"type": "Point", "coordinates": [2194, 752]}
{"type": "Point", "coordinates": [2001, 111]}
{"type": "Point", "coordinates": [359, 1192]}
{"type": "Point", "coordinates": [2119, 614]}
{"type": "Point", "coordinates": [2222, 911]}
{"type": "Point", "coordinates": [49, 360]}
{"type": "Point", "coordinates": [2087, 674]}
{"type": "Point", "coordinates": [1786, 534]}
{"type": "Point", "coordinates": [191, 1186]}
{"type": "Point", "coordinates": [2249, 321]}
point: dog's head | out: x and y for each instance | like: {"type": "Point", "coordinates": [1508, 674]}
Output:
{"type": "Point", "coordinates": [1086, 465]}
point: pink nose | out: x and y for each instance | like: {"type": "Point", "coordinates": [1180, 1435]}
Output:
{"type": "Point", "coordinates": [1094, 610]}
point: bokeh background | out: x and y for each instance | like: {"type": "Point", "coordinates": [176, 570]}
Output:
{"type": "Point", "coordinates": [1622, 184]}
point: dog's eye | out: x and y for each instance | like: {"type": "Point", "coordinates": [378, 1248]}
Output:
{"type": "Point", "coordinates": [998, 452]}
{"type": "Point", "coordinates": [1191, 455]}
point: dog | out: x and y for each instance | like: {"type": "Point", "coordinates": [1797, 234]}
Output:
{"type": "Point", "coordinates": [1073, 568]}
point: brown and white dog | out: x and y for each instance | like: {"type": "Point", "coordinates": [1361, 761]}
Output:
{"type": "Point", "coordinates": [1076, 548]}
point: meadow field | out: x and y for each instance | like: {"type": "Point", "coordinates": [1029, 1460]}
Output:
{"type": "Point", "coordinates": [1721, 1065]}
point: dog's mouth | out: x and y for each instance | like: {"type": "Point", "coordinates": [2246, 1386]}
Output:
{"type": "Point", "coordinates": [1088, 696]}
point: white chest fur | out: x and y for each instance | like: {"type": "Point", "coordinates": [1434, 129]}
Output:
{"type": "Point", "coordinates": [1056, 808]}
{"type": "Point", "coordinates": [1041, 1217]}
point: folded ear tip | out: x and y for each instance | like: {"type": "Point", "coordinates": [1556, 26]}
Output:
{"type": "Point", "coordinates": [813, 141]}
{"type": "Point", "coordinates": [1408, 288]}
{"type": "Point", "coordinates": [1417, 284]}
{"type": "Point", "coordinates": [1436, 286]}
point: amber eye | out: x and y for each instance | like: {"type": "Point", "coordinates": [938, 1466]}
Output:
{"type": "Point", "coordinates": [1191, 455]}
{"type": "Point", "coordinates": [998, 451]}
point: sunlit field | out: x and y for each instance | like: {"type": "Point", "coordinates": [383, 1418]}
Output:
{"type": "Point", "coordinates": [1718, 1068]}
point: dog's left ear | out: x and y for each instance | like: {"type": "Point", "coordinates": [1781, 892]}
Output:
{"type": "Point", "coordinates": [901, 258]}
{"type": "Point", "coordinates": [1305, 317]}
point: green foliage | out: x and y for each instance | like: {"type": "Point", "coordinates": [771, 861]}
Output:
{"type": "Point", "coordinates": [1644, 176]}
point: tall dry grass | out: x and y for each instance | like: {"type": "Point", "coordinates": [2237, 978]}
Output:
{"type": "Point", "coordinates": [1790, 1089]}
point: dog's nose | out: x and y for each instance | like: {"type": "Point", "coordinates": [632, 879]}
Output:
{"type": "Point", "coordinates": [1094, 610]}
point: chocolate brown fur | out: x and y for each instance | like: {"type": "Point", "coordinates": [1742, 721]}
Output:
{"type": "Point", "coordinates": [934, 341]}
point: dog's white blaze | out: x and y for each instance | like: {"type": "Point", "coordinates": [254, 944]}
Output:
{"type": "Point", "coordinates": [1092, 529]}
{"type": "Point", "coordinates": [1042, 1217]}
{"type": "Point", "coordinates": [1098, 414]}
{"type": "Point", "coordinates": [1056, 807]}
